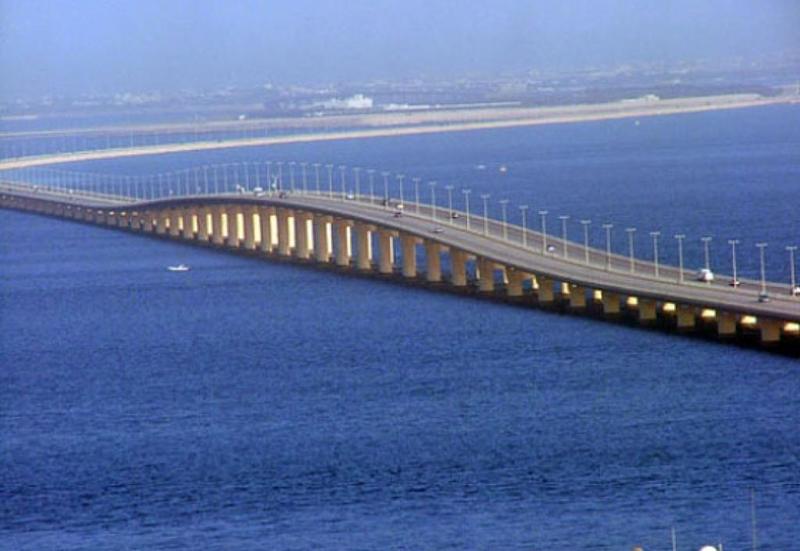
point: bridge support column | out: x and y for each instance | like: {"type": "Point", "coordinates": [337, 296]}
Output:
{"type": "Point", "coordinates": [174, 223]}
{"type": "Point", "coordinates": [161, 221]}
{"type": "Point", "coordinates": [123, 219]}
{"type": "Point", "coordinates": [217, 235]}
{"type": "Point", "coordinates": [386, 260]}
{"type": "Point", "coordinates": [232, 239]}
{"type": "Point", "coordinates": [364, 244]}
{"type": "Point", "coordinates": [110, 218]}
{"type": "Point", "coordinates": [409, 244]}
{"type": "Point", "coordinates": [249, 227]}
{"type": "Point", "coordinates": [726, 324]}
{"type": "Point", "coordinates": [647, 310]}
{"type": "Point", "coordinates": [202, 224]}
{"type": "Point", "coordinates": [343, 244]}
{"type": "Point", "coordinates": [685, 315]}
{"type": "Point", "coordinates": [458, 268]}
{"type": "Point", "coordinates": [284, 247]}
{"type": "Point", "coordinates": [265, 221]}
{"type": "Point", "coordinates": [188, 223]}
{"type": "Point", "coordinates": [610, 303]}
{"type": "Point", "coordinates": [322, 242]}
{"type": "Point", "coordinates": [148, 219]}
{"type": "Point", "coordinates": [577, 297]}
{"type": "Point", "coordinates": [302, 248]}
{"type": "Point", "coordinates": [545, 292]}
{"type": "Point", "coordinates": [514, 286]}
{"type": "Point", "coordinates": [770, 331]}
{"type": "Point", "coordinates": [433, 261]}
{"type": "Point", "coordinates": [485, 275]}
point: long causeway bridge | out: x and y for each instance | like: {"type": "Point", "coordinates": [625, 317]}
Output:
{"type": "Point", "coordinates": [436, 246]}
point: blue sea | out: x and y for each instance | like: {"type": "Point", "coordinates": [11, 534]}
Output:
{"type": "Point", "coordinates": [256, 405]}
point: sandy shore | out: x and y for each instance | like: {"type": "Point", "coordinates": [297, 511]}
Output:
{"type": "Point", "coordinates": [427, 122]}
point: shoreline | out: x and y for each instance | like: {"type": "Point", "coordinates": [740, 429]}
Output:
{"type": "Point", "coordinates": [426, 123]}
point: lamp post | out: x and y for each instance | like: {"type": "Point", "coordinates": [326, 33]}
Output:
{"type": "Point", "coordinates": [586, 224]}
{"type": "Point", "coordinates": [655, 235]}
{"type": "Point", "coordinates": [433, 200]}
{"type": "Point", "coordinates": [485, 197]}
{"type": "Point", "coordinates": [357, 176]}
{"type": "Point", "coordinates": [449, 189]}
{"type": "Point", "coordinates": [400, 178]}
{"type": "Point", "coordinates": [304, 177]}
{"type": "Point", "coordinates": [371, 177]}
{"type": "Point", "coordinates": [342, 169]}
{"type": "Point", "coordinates": [608, 227]}
{"type": "Point", "coordinates": [792, 275]}
{"type": "Point", "coordinates": [504, 212]}
{"type": "Point", "coordinates": [385, 189]}
{"type": "Point", "coordinates": [761, 247]}
{"type": "Point", "coordinates": [466, 193]}
{"type": "Point", "coordinates": [706, 240]}
{"type": "Point", "coordinates": [291, 175]}
{"type": "Point", "coordinates": [631, 232]}
{"type": "Point", "coordinates": [543, 215]}
{"type": "Point", "coordinates": [280, 174]}
{"type": "Point", "coordinates": [416, 194]}
{"type": "Point", "coordinates": [271, 187]}
{"type": "Point", "coordinates": [523, 209]}
{"type": "Point", "coordinates": [680, 237]}
{"type": "Point", "coordinates": [330, 179]}
{"type": "Point", "coordinates": [564, 218]}
{"type": "Point", "coordinates": [733, 243]}
{"type": "Point", "coordinates": [316, 177]}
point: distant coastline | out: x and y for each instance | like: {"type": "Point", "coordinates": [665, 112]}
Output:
{"type": "Point", "coordinates": [426, 122]}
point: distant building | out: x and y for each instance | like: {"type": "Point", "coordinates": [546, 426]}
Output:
{"type": "Point", "coordinates": [357, 101]}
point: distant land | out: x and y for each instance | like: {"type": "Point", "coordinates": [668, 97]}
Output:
{"type": "Point", "coordinates": [364, 126]}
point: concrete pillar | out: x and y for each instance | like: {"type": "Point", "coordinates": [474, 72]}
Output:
{"type": "Point", "coordinates": [610, 303]}
{"type": "Point", "coordinates": [249, 227]}
{"type": "Point", "coordinates": [485, 275]}
{"type": "Point", "coordinates": [364, 246]}
{"type": "Point", "coordinates": [322, 243]}
{"type": "Point", "coordinates": [283, 231]}
{"type": "Point", "coordinates": [726, 324]}
{"type": "Point", "coordinates": [188, 223]}
{"type": "Point", "coordinates": [647, 310]}
{"type": "Point", "coordinates": [232, 239]}
{"type": "Point", "coordinates": [342, 242]}
{"type": "Point", "coordinates": [545, 292]}
{"type": "Point", "coordinates": [161, 221]}
{"type": "Point", "coordinates": [386, 260]}
{"type": "Point", "coordinates": [302, 249]}
{"type": "Point", "coordinates": [147, 221]}
{"type": "Point", "coordinates": [458, 268]}
{"type": "Point", "coordinates": [217, 236]}
{"type": "Point", "coordinates": [577, 297]}
{"type": "Point", "coordinates": [686, 316]}
{"type": "Point", "coordinates": [202, 224]}
{"type": "Point", "coordinates": [265, 220]}
{"type": "Point", "coordinates": [433, 261]}
{"type": "Point", "coordinates": [110, 218]}
{"type": "Point", "coordinates": [409, 244]}
{"type": "Point", "coordinates": [770, 330]}
{"type": "Point", "coordinates": [174, 223]}
{"type": "Point", "coordinates": [123, 219]}
{"type": "Point", "coordinates": [514, 286]}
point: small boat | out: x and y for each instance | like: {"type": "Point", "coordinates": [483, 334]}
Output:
{"type": "Point", "coordinates": [179, 268]}
{"type": "Point", "coordinates": [503, 169]}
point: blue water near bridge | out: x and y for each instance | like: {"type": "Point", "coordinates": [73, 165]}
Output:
{"type": "Point", "coordinates": [248, 405]}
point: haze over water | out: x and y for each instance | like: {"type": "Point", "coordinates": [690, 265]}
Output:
{"type": "Point", "coordinates": [252, 404]}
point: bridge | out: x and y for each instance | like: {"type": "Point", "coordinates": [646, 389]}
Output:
{"type": "Point", "coordinates": [436, 246]}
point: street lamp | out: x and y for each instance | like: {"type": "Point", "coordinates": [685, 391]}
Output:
{"type": "Point", "coordinates": [400, 178]}
{"type": "Point", "coordinates": [655, 235]}
{"type": "Point", "coordinates": [433, 200]}
{"type": "Point", "coordinates": [466, 193]}
{"type": "Point", "coordinates": [543, 214]}
{"type": "Point", "coordinates": [280, 174]}
{"type": "Point", "coordinates": [680, 237]}
{"type": "Point", "coordinates": [608, 227]}
{"type": "Point", "coordinates": [792, 276]}
{"type": "Point", "coordinates": [630, 232]}
{"type": "Point", "coordinates": [342, 169]}
{"type": "Point", "coordinates": [371, 176]}
{"type": "Point", "coordinates": [449, 189]}
{"type": "Point", "coordinates": [586, 224]}
{"type": "Point", "coordinates": [304, 177]}
{"type": "Point", "coordinates": [564, 218]}
{"type": "Point", "coordinates": [385, 189]}
{"type": "Point", "coordinates": [357, 175]}
{"type": "Point", "coordinates": [504, 211]}
{"type": "Point", "coordinates": [706, 241]}
{"type": "Point", "coordinates": [330, 179]}
{"type": "Point", "coordinates": [761, 247]}
{"type": "Point", "coordinates": [524, 211]}
{"type": "Point", "coordinates": [291, 175]}
{"type": "Point", "coordinates": [733, 243]}
{"type": "Point", "coordinates": [485, 197]}
{"type": "Point", "coordinates": [316, 177]}
{"type": "Point", "coordinates": [416, 194]}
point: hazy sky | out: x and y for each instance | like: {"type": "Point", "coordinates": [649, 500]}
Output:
{"type": "Point", "coordinates": [77, 46]}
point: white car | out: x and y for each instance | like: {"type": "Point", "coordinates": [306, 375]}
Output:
{"type": "Point", "coordinates": [796, 291]}
{"type": "Point", "coordinates": [705, 275]}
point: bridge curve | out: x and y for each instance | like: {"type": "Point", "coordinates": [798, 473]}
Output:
{"type": "Point", "coordinates": [372, 235]}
